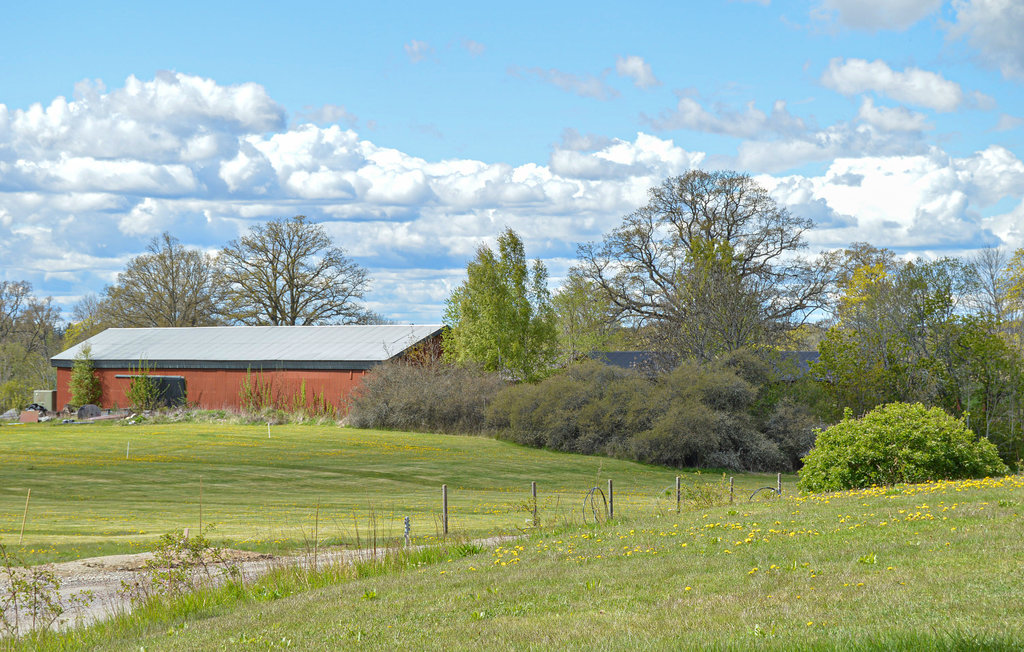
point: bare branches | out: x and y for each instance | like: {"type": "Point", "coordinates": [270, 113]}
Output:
{"type": "Point", "coordinates": [288, 272]}
{"type": "Point", "coordinates": [171, 285]}
{"type": "Point", "coordinates": [709, 265]}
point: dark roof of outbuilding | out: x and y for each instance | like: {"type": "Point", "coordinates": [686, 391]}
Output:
{"type": "Point", "coordinates": [250, 347]}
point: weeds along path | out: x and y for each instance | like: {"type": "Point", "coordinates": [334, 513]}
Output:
{"type": "Point", "coordinates": [104, 577]}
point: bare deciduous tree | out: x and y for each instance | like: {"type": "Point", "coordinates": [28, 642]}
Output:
{"type": "Point", "coordinates": [289, 272]}
{"type": "Point", "coordinates": [709, 265]}
{"type": "Point", "coordinates": [171, 285]}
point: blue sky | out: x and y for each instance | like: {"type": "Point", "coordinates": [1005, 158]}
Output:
{"type": "Point", "coordinates": [414, 133]}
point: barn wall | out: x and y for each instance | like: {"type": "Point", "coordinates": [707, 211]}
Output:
{"type": "Point", "coordinates": [215, 389]}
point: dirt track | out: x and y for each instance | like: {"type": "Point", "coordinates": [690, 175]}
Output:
{"type": "Point", "coordinates": [105, 576]}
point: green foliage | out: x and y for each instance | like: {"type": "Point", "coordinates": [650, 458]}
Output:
{"type": "Point", "coordinates": [15, 393]}
{"type": "Point", "coordinates": [696, 416]}
{"type": "Point", "coordinates": [143, 392]}
{"type": "Point", "coordinates": [501, 317]}
{"type": "Point", "coordinates": [85, 384]}
{"type": "Point", "coordinates": [428, 396]}
{"type": "Point", "coordinates": [256, 393]}
{"type": "Point", "coordinates": [896, 443]}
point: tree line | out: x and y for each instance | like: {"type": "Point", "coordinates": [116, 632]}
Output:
{"type": "Point", "coordinates": [712, 266]}
{"type": "Point", "coordinates": [284, 272]}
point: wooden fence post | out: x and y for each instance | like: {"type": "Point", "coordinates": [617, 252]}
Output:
{"type": "Point", "coordinates": [679, 495]}
{"type": "Point", "coordinates": [444, 509]}
{"type": "Point", "coordinates": [533, 492]}
{"type": "Point", "coordinates": [778, 484]}
{"type": "Point", "coordinates": [611, 501]}
{"type": "Point", "coordinates": [24, 517]}
{"type": "Point", "coordinates": [731, 494]}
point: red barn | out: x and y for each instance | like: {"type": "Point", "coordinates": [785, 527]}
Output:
{"type": "Point", "coordinates": [222, 364]}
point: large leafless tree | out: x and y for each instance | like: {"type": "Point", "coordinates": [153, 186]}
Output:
{"type": "Point", "coordinates": [289, 272]}
{"type": "Point", "coordinates": [169, 285]}
{"type": "Point", "coordinates": [710, 264]}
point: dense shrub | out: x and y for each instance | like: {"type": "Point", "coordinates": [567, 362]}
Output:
{"type": "Point", "coordinates": [899, 442]}
{"type": "Point", "coordinates": [696, 416]}
{"type": "Point", "coordinates": [424, 396]}
{"type": "Point", "coordinates": [589, 408]}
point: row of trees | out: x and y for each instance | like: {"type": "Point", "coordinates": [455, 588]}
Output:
{"type": "Point", "coordinates": [283, 272]}
{"type": "Point", "coordinates": [711, 265]}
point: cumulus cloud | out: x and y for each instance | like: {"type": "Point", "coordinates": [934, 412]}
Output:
{"type": "Point", "coordinates": [71, 214]}
{"type": "Point", "coordinates": [583, 85]}
{"type": "Point", "coordinates": [891, 119]}
{"type": "Point", "coordinates": [638, 70]}
{"type": "Point", "coordinates": [417, 50]}
{"type": "Point", "coordinates": [994, 28]}
{"type": "Point", "coordinates": [912, 86]}
{"type": "Point", "coordinates": [875, 15]}
{"type": "Point", "coordinates": [750, 122]}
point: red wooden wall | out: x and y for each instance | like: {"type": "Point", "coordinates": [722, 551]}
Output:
{"type": "Point", "coordinates": [215, 389]}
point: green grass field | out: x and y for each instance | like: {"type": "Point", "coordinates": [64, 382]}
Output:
{"type": "Point", "coordinates": [924, 567]}
{"type": "Point", "coordinates": [261, 493]}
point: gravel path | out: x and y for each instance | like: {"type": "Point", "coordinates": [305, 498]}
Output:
{"type": "Point", "coordinates": [105, 576]}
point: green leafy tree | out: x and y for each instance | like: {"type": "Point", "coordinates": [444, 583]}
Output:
{"type": "Point", "coordinates": [585, 319]}
{"type": "Point", "coordinates": [898, 442]}
{"type": "Point", "coordinates": [501, 317]}
{"type": "Point", "coordinates": [85, 384]}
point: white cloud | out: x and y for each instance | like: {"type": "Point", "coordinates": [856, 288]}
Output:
{"type": "Point", "coordinates": [328, 114]}
{"type": "Point", "coordinates": [891, 119]}
{"type": "Point", "coordinates": [70, 211]}
{"type": "Point", "coordinates": [994, 28]}
{"type": "Point", "coordinates": [582, 85]}
{"type": "Point", "coordinates": [638, 70]}
{"type": "Point", "coordinates": [878, 14]}
{"type": "Point", "coordinates": [1007, 122]}
{"type": "Point", "coordinates": [912, 86]}
{"type": "Point", "coordinates": [417, 50]}
{"type": "Point", "coordinates": [473, 47]}
{"type": "Point", "coordinates": [748, 123]}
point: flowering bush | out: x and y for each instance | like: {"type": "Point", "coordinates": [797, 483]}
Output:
{"type": "Point", "coordinates": [898, 442]}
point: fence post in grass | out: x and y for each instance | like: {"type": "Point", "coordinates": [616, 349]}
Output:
{"type": "Point", "coordinates": [533, 492]}
{"type": "Point", "coordinates": [730, 490]}
{"type": "Point", "coordinates": [316, 534]}
{"type": "Point", "coordinates": [127, 450]}
{"type": "Point", "coordinates": [408, 530]}
{"type": "Point", "coordinates": [778, 484]}
{"type": "Point", "coordinates": [200, 505]}
{"type": "Point", "coordinates": [679, 495]}
{"type": "Point", "coordinates": [611, 501]}
{"type": "Point", "coordinates": [444, 509]}
{"type": "Point", "coordinates": [24, 517]}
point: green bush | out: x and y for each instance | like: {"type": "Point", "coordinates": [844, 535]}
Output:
{"type": "Point", "coordinates": [696, 416]}
{"type": "Point", "coordinates": [894, 443]}
{"type": "Point", "coordinates": [85, 384]}
{"type": "Point", "coordinates": [427, 396]}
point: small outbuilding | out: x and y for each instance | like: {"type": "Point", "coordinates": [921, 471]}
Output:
{"type": "Point", "coordinates": [225, 367]}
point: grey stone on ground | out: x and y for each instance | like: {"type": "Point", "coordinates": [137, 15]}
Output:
{"type": "Point", "coordinates": [89, 411]}
{"type": "Point", "coordinates": [9, 415]}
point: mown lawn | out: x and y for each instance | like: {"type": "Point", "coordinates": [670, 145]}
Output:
{"type": "Point", "coordinates": [923, 567]}
{"type": "Point", "coordinates": [261, 493]}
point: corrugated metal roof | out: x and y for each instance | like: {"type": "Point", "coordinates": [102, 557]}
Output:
{"type": "Point", "coordinates": [257, 346]}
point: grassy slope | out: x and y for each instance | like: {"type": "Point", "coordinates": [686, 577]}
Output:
{"type": "Point", "coordinates": [260, 492]}
{"type": "Point", "coordinates": [922, 567]}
